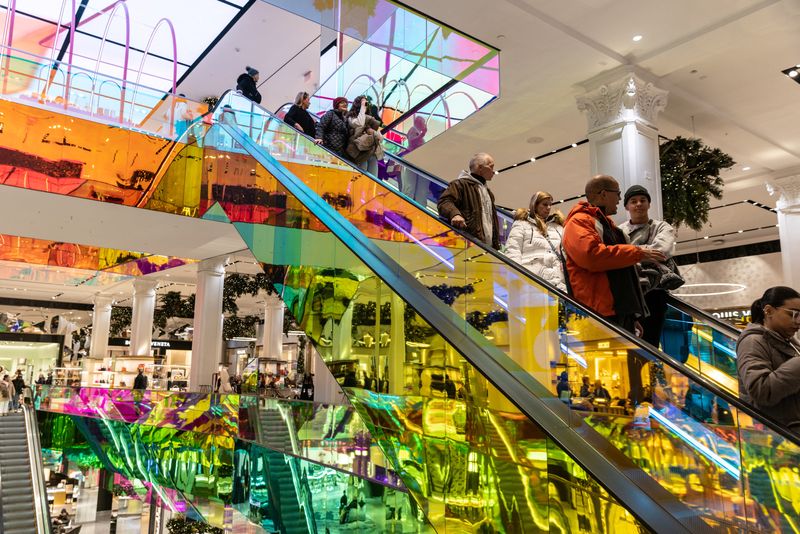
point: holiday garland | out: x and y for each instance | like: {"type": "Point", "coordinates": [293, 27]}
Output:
{"type": "Point", "coordinates": [689, 178]}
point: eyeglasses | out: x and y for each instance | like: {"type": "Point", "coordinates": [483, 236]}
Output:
{"type": "Point", "coordinates": [615, 191]}
{"type": "Point", "coordinates": [794, 313]}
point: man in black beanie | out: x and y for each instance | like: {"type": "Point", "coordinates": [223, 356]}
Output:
{"type": "Point", "coordinates": [660, 276]}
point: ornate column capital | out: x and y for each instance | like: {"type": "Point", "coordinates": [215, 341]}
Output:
{"type": "Point", "coordinates": [213, 266]}
{"type": "Point", "coordinates": [629, 98]}
{"type": "Point", "coordinates": [787, 189]}
{"type": "Point", "coordinates": [145, 286]}
{"type": "Point", "coordinates": [101, 300]}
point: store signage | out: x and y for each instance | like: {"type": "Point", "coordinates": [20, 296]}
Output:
{"type": "Point", "coordinates": [156, 343]}
{"type": "Point", "coordinates": [733, 314]}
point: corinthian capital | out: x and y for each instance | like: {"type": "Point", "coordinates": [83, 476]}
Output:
{"type": "Point", "coordinates": [787, 189]}
{"type": "Point", "coordinates": [628, 98]}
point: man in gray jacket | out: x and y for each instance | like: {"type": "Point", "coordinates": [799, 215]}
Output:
{"type": "Point", "coordinates": [640, 229]}
{"type": "Point", "coordinates": [468, 204]}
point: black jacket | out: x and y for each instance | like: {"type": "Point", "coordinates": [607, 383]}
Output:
{"type": "Point", "coordinates": [140, 382]}
{"type": "Point", "coordinates": [297, 115]}
{"type": "Point", "coordinates": [247, 85]}
{"type": "Point", "coordinates": [333, 131]}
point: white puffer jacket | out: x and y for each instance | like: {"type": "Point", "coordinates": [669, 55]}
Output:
{"type": "Point", "coordinates": [527, 246]}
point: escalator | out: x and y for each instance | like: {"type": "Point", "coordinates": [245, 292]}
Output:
{"type": "Point", "coordinates": [334, 241]}
{"type": "Point", "coordinates": [23, 497]}
{"type": "Point", "coordinates": [339, 242]}
{"type": "Point", "coordinates": [692, 336]}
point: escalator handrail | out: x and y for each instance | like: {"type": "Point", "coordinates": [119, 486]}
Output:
{"type": "Point", "coordinates": [695, 376]}
{"type": "Point", "coordinates": [41, 506]}
{"type": "Point", "coordinates": [689, 309]}
{"type": "Point", "coordinates": [642, 496]}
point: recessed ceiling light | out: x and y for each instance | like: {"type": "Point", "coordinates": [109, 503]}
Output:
{"type": "Point", "coordinates": [533, 159]}
{"type": "Point", "coordinates": [793, 74]}
{"type": "Point", "coordinates": [637, 38]}
{"type": "Point", "coordinates": [574, 145]}
{"type": "Point", "coordinates": [745, 168]}
{"type": "Point", "coordinates": [706, 237]}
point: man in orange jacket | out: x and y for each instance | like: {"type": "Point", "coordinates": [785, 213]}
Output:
{"type": "Point", "coordinates": [600, 263]}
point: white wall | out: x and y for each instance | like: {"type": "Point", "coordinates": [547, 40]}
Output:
{"type": "Point", "coordinates": [757, 273]}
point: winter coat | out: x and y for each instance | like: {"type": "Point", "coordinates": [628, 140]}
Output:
{"type": "Point", "coordinates": [19, 384]}
{"type": "Point", "coordinates": [769, 373]}
{"type": "Point", "coordinates": [463, 197]}
{"type": "Point", "coordinates": [540, 254]}
{"type": "Point", "coordinates": [247, 85]}
{"type": "Point", "coordinates": [590, 259]}
{"type": "Point", "coordinates": [361, 145]}
{"type": "Point", "coordinates": [140, 382]}
{"type": "Point", "coordinates": [661, 236]}
{"type": "Point", "coordinates": [332, 129]}
{"type": "Point", "coordinates": [297, 115]}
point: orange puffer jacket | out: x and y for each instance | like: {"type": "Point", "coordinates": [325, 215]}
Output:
{"type": "Point", "coordinates": [588, 258]}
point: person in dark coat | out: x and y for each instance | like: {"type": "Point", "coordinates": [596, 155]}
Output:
{"type": "Point", "coordinates": [140, 382]}
{"type": "Point", "coordinates": [768, 356]}
{"type": "Point", "coordinates": [332, 131]}
{"type": "Point", "coordinates": [468, 204]}
{"type": "Point", "coordinates": [298, 117]}
{"type": "Point", "coordinates": [19, 386]}
{"type": "Point", "coordinates": [246, 83]}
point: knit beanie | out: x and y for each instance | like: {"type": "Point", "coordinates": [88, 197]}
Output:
{"type": "Point", "coordinates": [338, 100]}
{"type": "Point", "coordinates": [251, 71]}
{"type": "Point", "coordinates": [635, 190]}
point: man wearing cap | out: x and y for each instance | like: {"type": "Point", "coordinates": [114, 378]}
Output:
{"type": "Point", "coordinates": [640, 229]}
{"type": "Point", "coordinates": [600, 264]}
{"type": "Point", "coordinates": [332, 130]}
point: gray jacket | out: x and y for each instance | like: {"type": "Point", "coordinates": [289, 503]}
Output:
{"type": "Point", "coordinates": [769, 374]}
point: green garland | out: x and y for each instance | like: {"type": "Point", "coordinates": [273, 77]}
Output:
{"type": "Point", "coordinates": [689, 178]}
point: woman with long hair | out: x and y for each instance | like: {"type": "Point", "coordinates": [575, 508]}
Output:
{"type": "Point", "coordinates": [298, 116]}
{"type": "Point", "coordinates": [535, 240]}
{"type": "Point", "coordinates": [768, 356]}
{"type": "Point", "coordinates": [365, 145]}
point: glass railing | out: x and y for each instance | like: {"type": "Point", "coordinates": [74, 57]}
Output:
{"type": "Point", "coordinates": [395, 382]}
{"type": "Point", "coordinates": [58, 151]}
{"type": "Point", "coordinates": [540, 329]}
{"type": "Point", "coordinates": [41, 82]}
{"type": "Point", "coordinates": [232, 449]}
{"type": "Point", "coordinates": [327, 434]}
{"type": "Point", "coordinates": [691, 336]}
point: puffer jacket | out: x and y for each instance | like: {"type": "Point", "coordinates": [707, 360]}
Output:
{"type": "Point", "coordinates": [332, 129]}
{"type": "Point", "coordinates": [769, 373]}
{"type": "Point", "coordinates": [540, 254]}
{"type": "Point", "coordinates": [589, 259]}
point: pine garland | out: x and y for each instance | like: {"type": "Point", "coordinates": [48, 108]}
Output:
{"type": "Point", "coordinates": [689, 178]}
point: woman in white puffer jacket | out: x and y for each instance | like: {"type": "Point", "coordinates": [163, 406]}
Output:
{"type": "Point", "coordinates": [535, 240]}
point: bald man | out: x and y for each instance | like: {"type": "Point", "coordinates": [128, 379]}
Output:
{"type": "Point", "coordinates": [468, 204]}
{"type": "Point", "coordinates": [600, 263]}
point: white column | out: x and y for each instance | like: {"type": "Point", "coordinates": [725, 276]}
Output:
{"type": "Point", "coordinates": [273, 327]}
{"type": "Point", "coordinates": [144, 304]}
{"type": "Point", "coordinates": [207, 335]}
{"type": "Point", "coordinates": [101, 325]}
{"type": "Point", "coordinates": [623, 137]}
{"type": "Point", "coordinates": [788, 206]}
